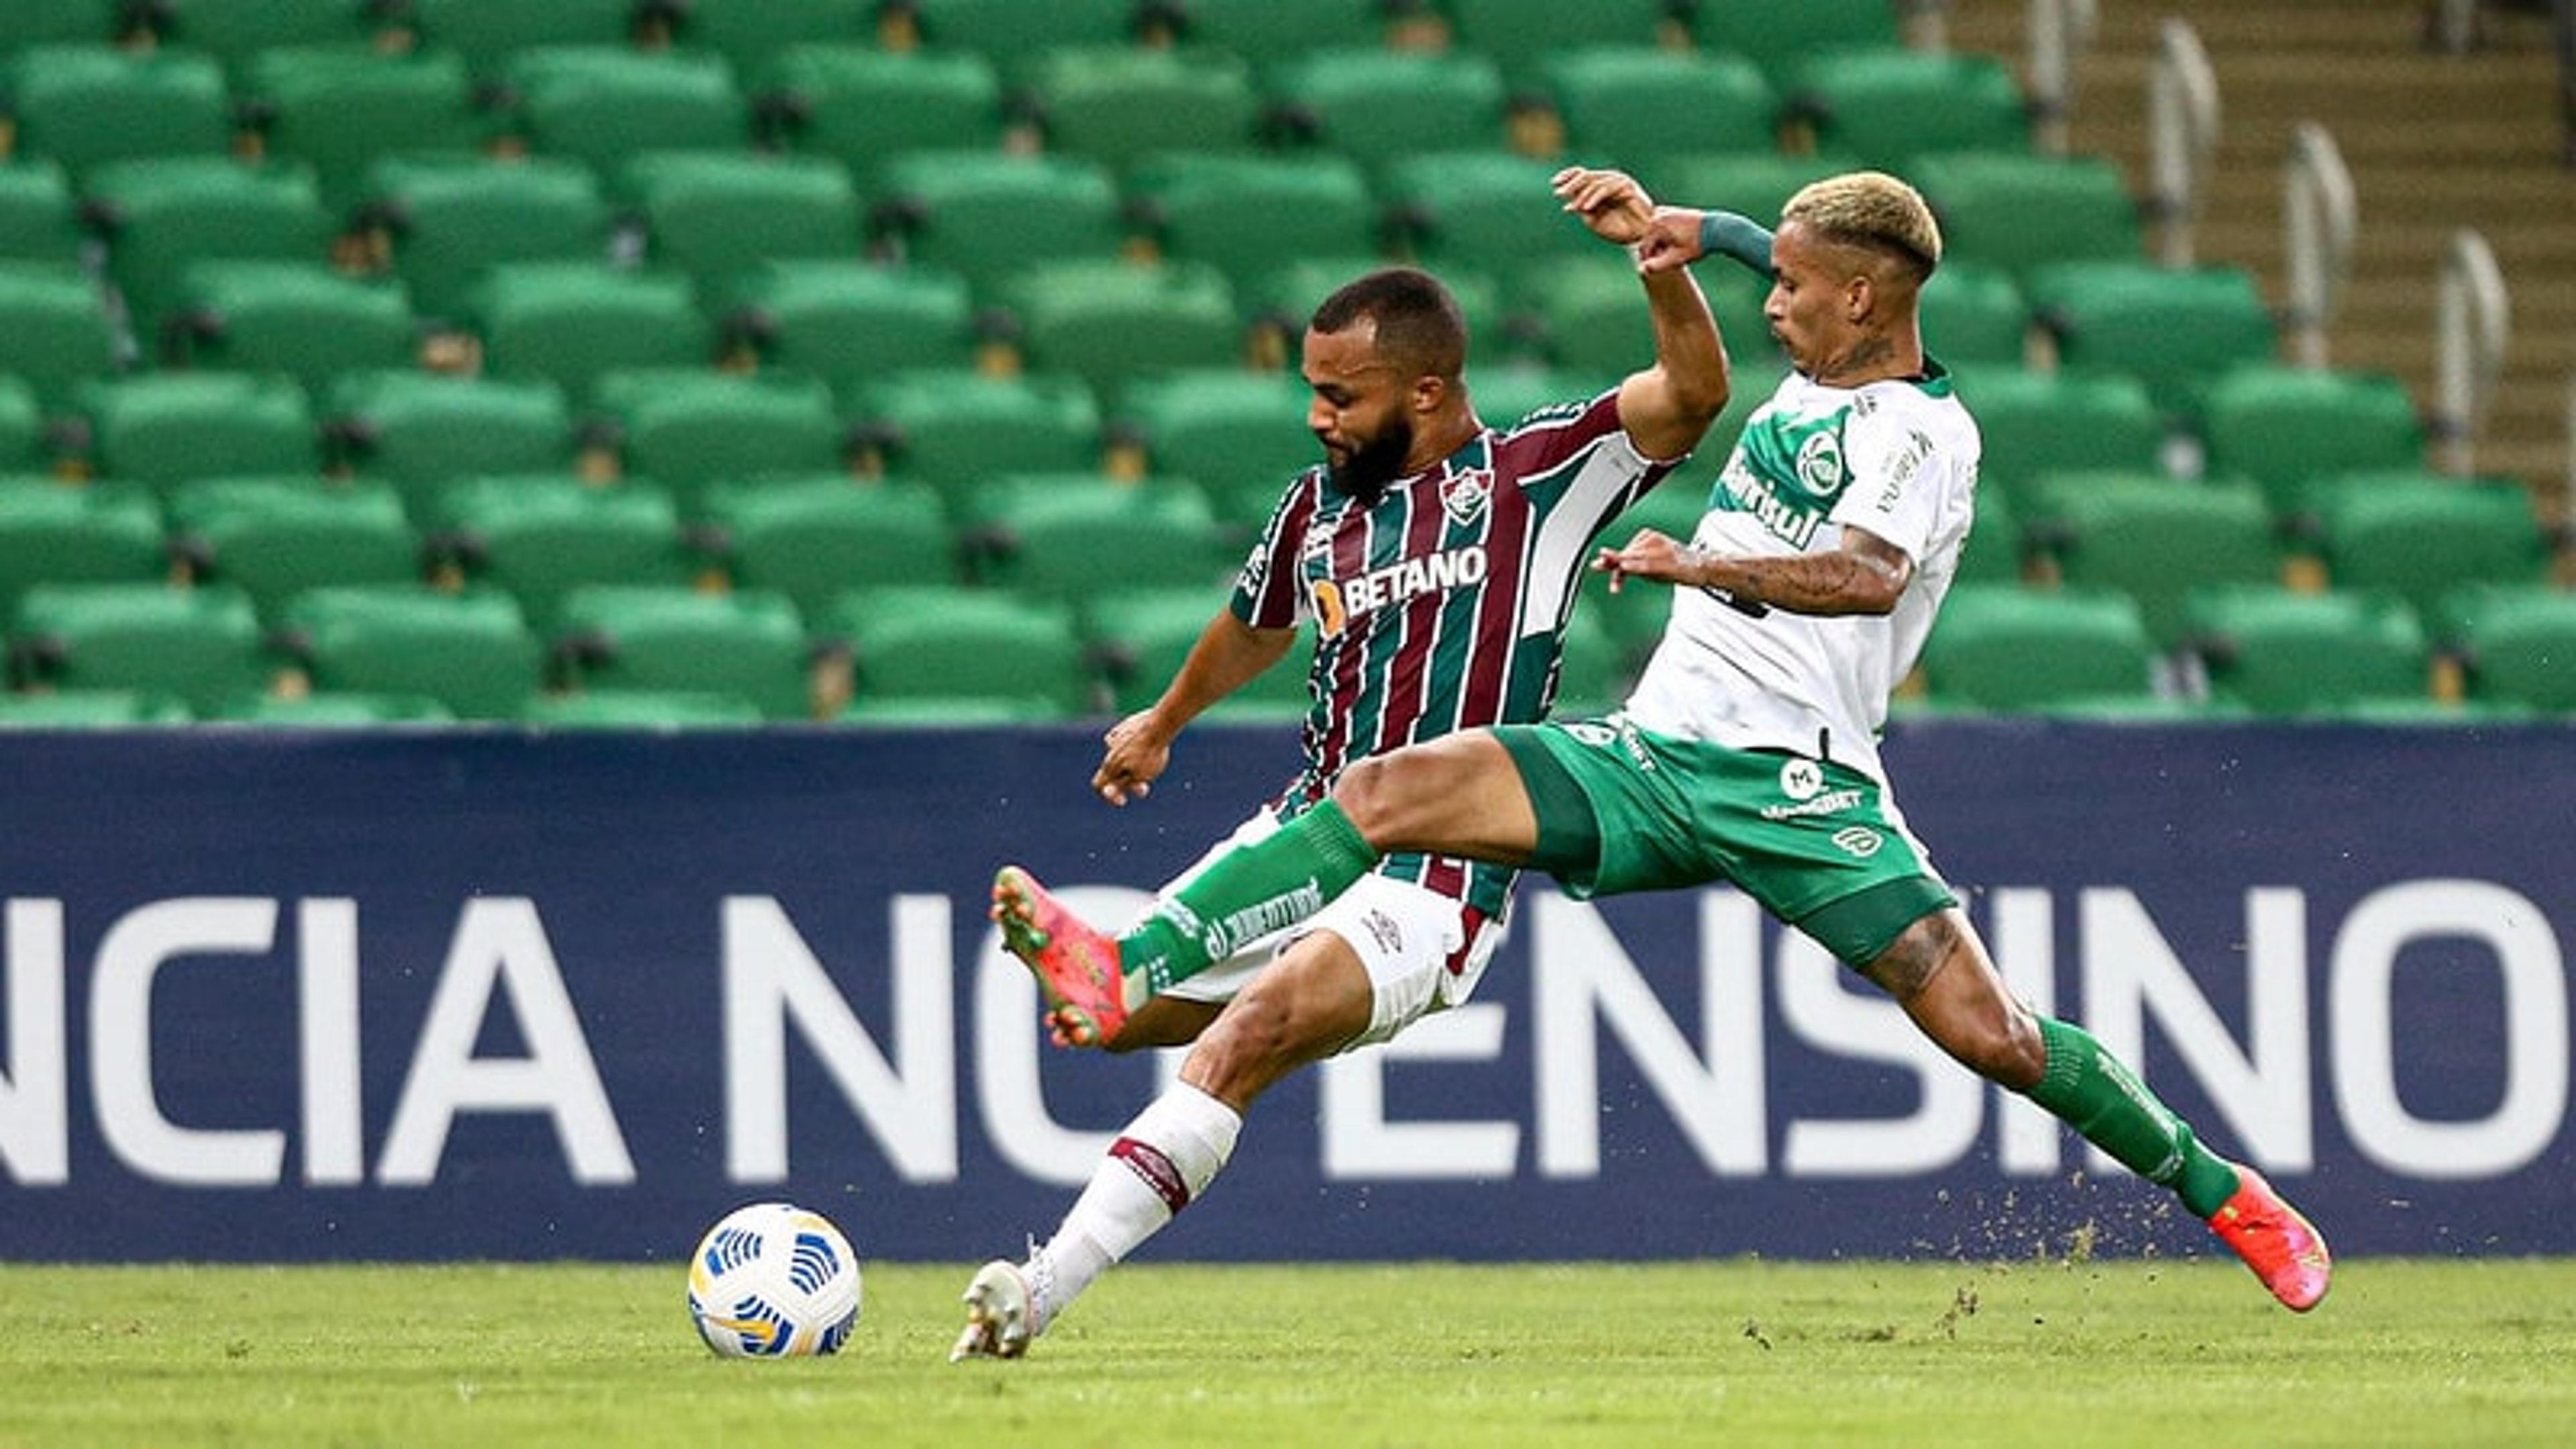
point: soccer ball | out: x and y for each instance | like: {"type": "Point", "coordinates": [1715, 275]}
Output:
{"type": "Point", "coordinates": [773, 1281]}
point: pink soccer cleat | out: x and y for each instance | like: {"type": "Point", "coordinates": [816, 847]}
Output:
{"type": "Point", "coordinates": [2284, 1249]}
{"type": "Point", "coordinates": [1076, 966]}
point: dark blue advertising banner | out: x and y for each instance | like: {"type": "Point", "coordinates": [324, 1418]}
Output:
{"type": "Point", "coordinates": [277, 996]}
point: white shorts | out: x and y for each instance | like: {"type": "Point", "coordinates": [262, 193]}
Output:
{"type": "Point", "coordinates": [1423, 951]}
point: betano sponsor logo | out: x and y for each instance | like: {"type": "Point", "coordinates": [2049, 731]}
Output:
{"type": "Point", "coordinates": [1337, 600]}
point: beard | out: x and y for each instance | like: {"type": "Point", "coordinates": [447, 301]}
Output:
{"type": "Point", "coordinates": [1374, 464]}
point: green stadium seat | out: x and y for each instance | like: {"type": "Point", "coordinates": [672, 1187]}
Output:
{"type": "Point", "coordinates": [2034, 423]}
{"type": "Point", "coordinates": [1504, 392]}
{"type": "Point", "coordinates": [973, 212]}
{"type": "Point", "coordinates": [161, 428]}
{"type": "Point", "coordinates": [862, 106]}
{"type": "Point", "coordinates": [2516, 643]}
{"type": "Point", "coordinates": [1483, 209]}
{"type": "Point", "coordinates": [55, 334]}
{"type": "Point", "coordinates": [235, 32]}
{"type": "Point", "coordinates": [418, 430]}
{"type": "Point", "coordinates": [1139, 636]}
{"type": "Point", "coordinates": [26, 444]}
{"type": "Point", "coordinates": [939, 643]}
{"type": "Point", "coordinates": [1119, 105]}
{"type": "Point", "coordinates": [1013, 33]}
{"type": "Point", "coordinates": [53, 532]}
{"type": "Point", "coordinates": [1888, 105]}
{"type": "Point", "coordinates": [1997, 548]}
{"type": "Point", "coordinates": [2153, 538]}
{"type": "Point", "coordinates": [750, 645]}
{"type": "Point", "coordinates": [2018, 211]}
{"type": "Point", "coordinates": [847, 322]}
{"type": "Point", "coordinates": [38, 222]}
{"type": "Point", "coordinates": [2284, 426]}
{"type": "Point", "coordinates": [71, 22]}
{"type": "Point", "coordinates": [1266, 32]}
{"type": "Point", "coordinates": [752, 35]}
{"type": "Point", "coordinates": [1251, 214]}
{"type": "Point", "coordinates": [2285, 653]}
{"type": "Point", "coordinates": [471, 652]}
{"type": "Point", "coordinates": [1378, 106]}
{"type": "Point", "coordinates": [1756, 183]}
{"type": "Point", "coordinates": [1241, 434]}
{"type": "Point", "coordinates": [539, 537]}
{"type": "Point", "coordinates": [334, 709]}
{"type": "Point", "coordinates": [945, 711]}
{"type": "Point", "coordinates": [2420, 535]}
{"type": "Point", "coordinates": [1589, 312]}
{"type": "Point", "coordinates": [716, 214]}
{"type": "Point", "coordinates": [2172, 328]}
{"type": "Point", "coordinates": [84, 106]}
{"type": "Point", "coordinates": [275, 537]}
{"type": "Point", "coordinates": [161, 217]}
{"type": "Point", "coordinates": [815, 538]}
{"type": "Point", "coordinates": [1062, 535]}
{"type": "Point", "coordinates": [602, 103]}
{"type": "Point", "coordinates": [201, 646]}
{"type": "Point", "coordinates": [488, 33]}
{"type": "Point", "coordinates": [1623, 105]}
{"type": "Point", "coordinates": [685, 428]}
{"type": "Point", "coordinates": [1974, 315]}
{"type": "Point", "coordinates": [574, 322]}
{"type": "Point", "coordinates": [954, 429]}
{"type": "Point", "coordinates": [90, 709]}
{"type": "Point", "coordinates": [1779, 37]}
{"type": "Point", "coordinates": [1106, 320]}
{"type": "Point", "coordinates": [655, 709]}
{"type": "Point", "coordinates": [337, 108]}
{"type": "Point", "coordinates": [444, 221]}
{"type": "Point", "coordinates": [2001, 647]}
{"type": "Point", "coordinates": [300, 319]}
{"type": "Point", "coordinates": [1524, 36]}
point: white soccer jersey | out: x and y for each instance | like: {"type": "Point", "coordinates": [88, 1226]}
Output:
{"type": "Point", "coordinates": [1898, 459]}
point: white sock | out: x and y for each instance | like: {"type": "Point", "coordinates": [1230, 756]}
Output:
{"type": "Point", "coordinates": [1159, 1164]}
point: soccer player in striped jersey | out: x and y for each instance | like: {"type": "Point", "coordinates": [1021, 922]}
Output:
{"type": "Point", "coordinates": [1747, 752]}
{"type": "Point", "coordinates": [1438, 560]}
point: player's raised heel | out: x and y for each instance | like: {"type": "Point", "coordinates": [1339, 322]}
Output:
{"type": "Point", "coordinates": [1076, 965]}
{"type": "Point", "coordinates": [2283, 1248]}
{"type": "Point", "coordinates": [1005, 1309]}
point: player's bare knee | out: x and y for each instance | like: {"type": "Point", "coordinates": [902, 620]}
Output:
{"type": "Point", "coordinates": [1386, 797]}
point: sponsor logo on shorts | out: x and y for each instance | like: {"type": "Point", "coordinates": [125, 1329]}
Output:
{"type": "Point", "coordinates": [1803, 781]}
{"type": "Point", "coordinates": [1801, 778]}
{"type": "Point", "coordinates": [1598, 736]}
{"type": "Point", "coordinates": [1859, 841]}
{"type": "Point", "coordinates": [1386, 931]}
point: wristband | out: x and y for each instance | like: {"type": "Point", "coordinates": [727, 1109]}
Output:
{"type": "Point", "coordinates": [1737, 236]}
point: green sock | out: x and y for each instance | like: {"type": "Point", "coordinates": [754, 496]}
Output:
{"type": "Point", "coordinates": [1248, 892]}
{"type": "Point", "coordinates": [2104, 1100]}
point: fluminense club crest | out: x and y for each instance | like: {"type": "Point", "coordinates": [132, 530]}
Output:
{"type": "Point", "coordinates": [1463, 494]}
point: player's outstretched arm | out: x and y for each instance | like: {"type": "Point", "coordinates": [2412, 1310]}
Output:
{"type": "Point", "coordinates": [1668, 406]}
{"type": "Point", "coordinates": [1228, 655]}
{"type": "Point", "coordinates": [1866, 575]}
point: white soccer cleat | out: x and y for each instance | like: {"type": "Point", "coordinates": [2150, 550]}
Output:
{"type": "Point", "coordinates": [1005, 1307]}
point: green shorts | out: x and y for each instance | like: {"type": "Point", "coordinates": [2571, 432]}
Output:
{"type": "Point", "coordinates": [1820, 845]}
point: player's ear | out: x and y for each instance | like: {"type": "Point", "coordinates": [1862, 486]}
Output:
{"type": "Point", "coordinates": [1430, 390]}
{"type": "Point", "coordinates": [1860, 297]}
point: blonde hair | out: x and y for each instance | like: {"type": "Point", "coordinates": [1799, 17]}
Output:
{"type": "Point", "coordinates": [1874, 210]}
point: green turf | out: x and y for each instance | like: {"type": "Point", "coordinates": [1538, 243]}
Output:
{"type": "Point", "coordinates": [2092, 1354]}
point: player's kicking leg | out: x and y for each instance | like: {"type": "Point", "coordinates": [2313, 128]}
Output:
{"type": "Point", "coordinates": [1006, 1306]}
{"type": "Point", "coordinates": [1076, 964]}
{"type": "Point", "coordinates": [2283, 1248]}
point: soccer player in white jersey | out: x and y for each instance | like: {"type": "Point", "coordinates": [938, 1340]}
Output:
{"type": "Point", "coordinates": [1747, 752]}
{"type": "Point", "coordinates": [1438, 560]}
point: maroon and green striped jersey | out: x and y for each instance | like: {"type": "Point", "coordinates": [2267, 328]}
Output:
{"type": "Point", "coordinates": [1442, 604]}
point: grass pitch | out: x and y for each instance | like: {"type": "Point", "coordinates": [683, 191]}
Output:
{"type": "Point", "coordinates": [2098, 1354]}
